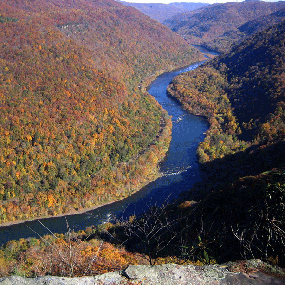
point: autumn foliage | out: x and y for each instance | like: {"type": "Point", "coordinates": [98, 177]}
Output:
{"type": "Point", "coordinates": [75, 129]}
{"type": "Point", "coordinates": [202, 92]}
{"type": "Point", "coordinates": [241, 93]}
{"type": "Point", "coordinates": [72, 254]}
{"type": "Point", "coordinates": [219, 26]}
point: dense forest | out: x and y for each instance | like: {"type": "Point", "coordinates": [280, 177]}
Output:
{"type": "Point", "coordinates": [242, 95]}
{"type": "Point", "coordinates": [76, 130]}
{"type": "Point", "coordinates": [219, 26]}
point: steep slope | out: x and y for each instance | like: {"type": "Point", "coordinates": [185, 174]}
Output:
{"type": "Point", "coordinates": [242, 90]}
{"type": "Point", "coordinates": [255, 73]}
{"type": "Point", "coordinates": [162, 12]}
{"type": "Point", "coordinates": [217, 26]}
{"type": "Point", "coordinates": [262, 23]}
{"type": "Point", "coordinates": [225, 41]}
{"type": "Point", "coordinates": [75, 129]}
{"type": "Point", "coordinates": [243, 95]}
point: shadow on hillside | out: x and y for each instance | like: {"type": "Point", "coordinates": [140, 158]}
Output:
{"type": "Point", "coordinates": [242, 203]}
{"type": "Point", "coordinates": [241, 213]}
{"type": "Point", "coordinates": [251, 162]}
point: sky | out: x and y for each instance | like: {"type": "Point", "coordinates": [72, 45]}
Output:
{"type": "Point", "coordinates": [171, 1]}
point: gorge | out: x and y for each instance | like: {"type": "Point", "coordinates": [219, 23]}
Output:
{"type": "Point", "coordinates": [179, 171]}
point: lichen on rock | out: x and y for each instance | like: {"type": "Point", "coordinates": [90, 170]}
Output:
{"type": "Point", "coordinates": [233, 273]}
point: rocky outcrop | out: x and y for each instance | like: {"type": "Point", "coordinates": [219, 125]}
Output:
{"type": "Point", "coordinates": [239, 273]}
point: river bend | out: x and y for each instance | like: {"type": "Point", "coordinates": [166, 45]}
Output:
{"type": "Point", "coordinates": [180, 170]}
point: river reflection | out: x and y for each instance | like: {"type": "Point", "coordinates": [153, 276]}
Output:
{"type": "Point", "coordinates": [180, 170]}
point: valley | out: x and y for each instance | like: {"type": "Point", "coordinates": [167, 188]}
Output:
{"type": "Point", "coordinates": [80, 129]}
{"type": "Point", "coordinates": [72, 116]}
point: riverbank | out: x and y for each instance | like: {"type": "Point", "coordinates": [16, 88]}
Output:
{"type": "Point", "coordinates": [156, 149]}
{"type": "Point", "coordinates": [163, 138]}
{"type": "Point", "coordinates": [181, 160]}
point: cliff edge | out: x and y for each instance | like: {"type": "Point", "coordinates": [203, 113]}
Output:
{"type": "Point", "coordinates": [238, 273]}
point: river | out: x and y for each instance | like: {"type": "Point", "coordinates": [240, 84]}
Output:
{"type": "Point", "coordinates": [180, 170]}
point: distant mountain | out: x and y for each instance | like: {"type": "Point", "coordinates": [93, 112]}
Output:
{"type": "Point", "coordinates": [75, 129]}
{"type": "Point", "coordinates": [190, 6]}
{"type": "Point", "coordinates": [162, 12]}
{"type": "Point", "coordinates": [225, 41]}
{"type": "Point", "coordinates": [217, 26]}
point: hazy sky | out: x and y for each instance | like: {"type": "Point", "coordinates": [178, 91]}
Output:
{"type": "Point", "coordinates": [171, 1]}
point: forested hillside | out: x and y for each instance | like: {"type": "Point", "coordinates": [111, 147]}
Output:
{"type": "Point", "coordinates": [75, 129]}
{"type": "Point", "coordinates": [263, 22]}
{"type": "Point", "coordinates": [161, 12]}
{"type": "Point", "coordinates": [237, 210]}
{"type": "Point", "coordinates": [242, 93]}
{"type": "Point", "coordinates": [219, 26]}
{"type": "Point", "coordinates": [255, 73]}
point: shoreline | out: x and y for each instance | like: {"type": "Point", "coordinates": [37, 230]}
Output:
{"type": "Point", "coordinates": [156, 174]}
{"type": "Point", "coordinates": [79, 212]}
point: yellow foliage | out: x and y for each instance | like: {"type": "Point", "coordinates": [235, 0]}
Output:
{"type": "Point", "coordinates": [29, 138]}
{"type": "Point", "coordinates": [51, 200]}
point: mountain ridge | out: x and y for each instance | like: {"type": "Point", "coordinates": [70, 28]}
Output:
{"type": "Point", "coordinates": [162, 12]}
{"type": "Point", "coordinates": [217, 26]}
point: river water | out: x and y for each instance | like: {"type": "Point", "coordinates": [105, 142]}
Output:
{"type": "Point", "coordinates": [180, 170]}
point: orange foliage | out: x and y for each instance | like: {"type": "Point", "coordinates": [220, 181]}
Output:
{"type": "Point", "coordinates": [71, 114]}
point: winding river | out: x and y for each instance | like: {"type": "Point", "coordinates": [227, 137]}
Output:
{"type": "Point", "coordinates": [180, 170]}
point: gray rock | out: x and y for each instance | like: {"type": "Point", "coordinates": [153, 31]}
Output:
{"type": "Point", "coordinates": [104, 279]}
{"type": "Point", "coordinates": [167, 274]}
{"type": "Point", "coordinates": [170, 274]}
